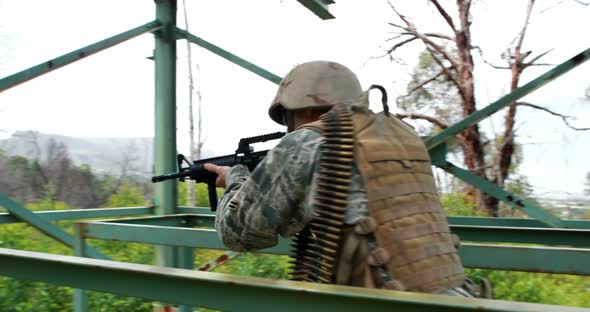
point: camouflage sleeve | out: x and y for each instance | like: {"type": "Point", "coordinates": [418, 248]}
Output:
{"type": "Point", "coordinates": [274, 199]}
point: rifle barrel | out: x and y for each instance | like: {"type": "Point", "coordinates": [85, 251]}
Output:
{"type": "Point", "coordinates": [169, 176]}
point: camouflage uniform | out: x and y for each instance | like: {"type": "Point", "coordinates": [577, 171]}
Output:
{"type": "Point", "coordinates": [277, 198]}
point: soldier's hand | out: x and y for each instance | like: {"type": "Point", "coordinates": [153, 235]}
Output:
{"type": "Point", "coordinates": [221, 173]}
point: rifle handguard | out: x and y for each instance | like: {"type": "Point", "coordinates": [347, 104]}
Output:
{"type": "Point", "coordinates": [195, 170]}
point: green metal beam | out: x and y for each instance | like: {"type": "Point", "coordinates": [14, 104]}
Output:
{"type": "Point", "coordinates": [438, 156]}
{"type": "Point", "coordinates": [438, 153]}
{"type": "Point", "coordinates": [43, 225]}
{"type": "Point", "coordinates": [58, 215]}
{"type": "Point", "coordinates": [43, 68]}
{"type": "Point", "coordinates": [195, 210]}
{"type": "Point", "coordinates": [552, 260]}
{"type": "Point", "coordinates": [509, 98]}
{"type": "Point", "coordinates": [453, 220]}
{"type": "Point", "coordinates": [163, 235]}
{"type": "Point", "coordinates": [515, 222]}
{"type": "Point", "coordinates": [495, 230]}
{"type": "Point", "coordinates": [229, 56]}
{"type": "Point", "coordinates": [501, 194]}
{"type": "Point", "coordinates": [232, 292]}
{"type": "Point", "coordinates": [165, 120]}
{"type": "Point", "coordinates": [177, 220]}
{"type": "Point", "coordinates": [202, 220]}
{"type": "Point", "coordinates": [319, 7]}
{"type": "Point", "coordinates": [527, 259]}
{"type": "Point", "coordinates": [185, 255]}
{"type": "Point", "coordinates": [80, 296]}
{"type": "Point", "coordinates": [543, 236]}
{"type": "Point", "coordinates": [488, 233]}
{"type": "Point", "coordinates": [478, 233]}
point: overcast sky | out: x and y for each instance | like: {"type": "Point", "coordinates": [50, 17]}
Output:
{"type": "Point", "coordinates": [110, 94]}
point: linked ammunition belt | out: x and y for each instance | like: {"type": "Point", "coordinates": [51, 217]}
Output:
{"type": "Point", "coordinates": [317, 247]}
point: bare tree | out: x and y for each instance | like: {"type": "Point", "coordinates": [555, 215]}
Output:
{"type": "Point", "coordinates": [15, 177]}
{"type": "Point", "coordinates": [457, 65]}
{"type": "Point", "coordinates": [517, 63]}
{"type": "Point", "coordinates": [452, 51]}
{"type": "Point", "coordinates": [57, 166]}
{"type": "Point", "coordinates": [39, 179]}
{"type": "Point", "coordinates": [127, 164]}
{"type": "Point", "coordinates": [195, 150]}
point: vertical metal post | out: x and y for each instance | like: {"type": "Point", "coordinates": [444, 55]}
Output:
{"type": "Point", "coordinates": [186, 261]}
{"type": "Point", "coordinates": [165, 119]}
{"type": "Point", "coordinates": [186, 258]}
{"type": "Point", "coordinates": [165, 137]}
{"type": "Point", "coordinates": [80, 296]}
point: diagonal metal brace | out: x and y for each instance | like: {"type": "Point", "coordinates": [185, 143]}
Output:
{"type": "Point", "coordinates": [318, 7]}
{"type": "Point", "coordinates": [503, 195]}
{"type": "Point", "coordinates": [43, 68]}
{"type": "Point", "coordinates": [45, 226]}
{"type": "Point", "coordinates": [509, 98]}
{"type": "Point", "coordinates": [229, 56]}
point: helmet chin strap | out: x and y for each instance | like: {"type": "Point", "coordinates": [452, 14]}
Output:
{"type": "Point", "coordinates": [289, 120]}
{"type": "Point", "coordinates": [294, 119]}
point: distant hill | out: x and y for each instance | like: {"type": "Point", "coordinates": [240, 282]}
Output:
{"type": "Point", "coordinates": [104, 155]}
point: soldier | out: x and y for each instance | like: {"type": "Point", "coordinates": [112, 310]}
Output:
{"type": "Point", "coordinates": [356, 188]}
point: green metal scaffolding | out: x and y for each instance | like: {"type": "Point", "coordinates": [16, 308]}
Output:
{"type": "Point", "coordinates": [542, 243]}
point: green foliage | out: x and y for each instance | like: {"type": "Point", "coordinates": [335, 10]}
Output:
{"type": "Point", "coordinates": [26, 296]}
{"type": "Point", "coordinates": [23, 296]}
{"type": "Point", "coordinates": [105, 302]}
{"type": "Point", "coordinates": [125, 251]}
{"type": "Point", "coordinates": [183, 194]}
{"type": "Point", "coordinates": [459, 204]}
{"type": "Point", "coordinates": [17, 295]}
{"type": "Point", "coordinates": [261, 265]}
{"type": "Point", "coordinates": [248, 264]}
{"type": "Point", "coordinates": [201, 194]}
{"type": "Point", "coordinates": [48, 204]}
{"type": "Point", "coordinates": [23, 237]}
{"type": "Point", "coordinates": [19, 162]}
{"type": "Point", "coordinates": [127, 196]}
{"type": "Point", "coordinates": [439, 98]}
{"type": "Point", "coordinates": [105, 187]}
{"type": "Point", "coordinates": [521, 286]}
{"type": "Point", "coordinates": [537, 287]}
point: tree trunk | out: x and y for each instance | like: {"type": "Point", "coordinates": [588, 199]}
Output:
{"type": "Point", "coordinates": [507, 149]}
{"type": "Point", "coordinates": [191, 183]}
{"type": "Point", "coordinates": [473, 152]}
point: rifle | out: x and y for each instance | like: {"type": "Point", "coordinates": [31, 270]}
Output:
{"type": "Point", "coordinates": [195, 170]}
